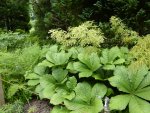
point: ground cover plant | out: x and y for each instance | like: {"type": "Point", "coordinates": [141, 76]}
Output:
{"type": "Point", "coordinates": [80, 84]}
{"type": "Point", "coordinates": [81, 71]}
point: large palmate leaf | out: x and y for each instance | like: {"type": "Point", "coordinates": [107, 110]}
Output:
{"type": "Point", "coordinates": [120, 102]}
{"type": "Point", "coordinates": [59, 74]}
{"type": "Point", "coordinates": [61, 95]}
{"type": "Point", "coordinates": [74, 51]}
{"type": "Point", "coordinates": [87, 65]}
{"type": "Point", "coordinates": [57, 87]}
{"type": "Point", "coordinates": [138, 105]}
{"type": "Point", "coordinates": [60, 109]}
{"type": "Point", "coordinates": [92, 61]}
{"type": "Point", "coordinates": [71, 83]}
{"type": "Point", "coordinates": [33, 78]}
{"type": "Point", "coordinates": [58, 58]}
{"type": "Point", "coordinates": [134, 82]}
{"type": "Point", "coordinates": [87, 99]}
{"type": "Point", "coordinates": [40, 70]}
{"type": "Point", "coordinates": [83, 69]}
{"type": "Point", "coordinates": [112, 57]}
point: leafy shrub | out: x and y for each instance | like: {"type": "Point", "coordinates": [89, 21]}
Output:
{"type": "Point", "coordinates": [121, 30]}
{"type": "Point", "coordinates": [73, 79]}
{"type": "Point", "coordinates": [13, 66]}
{"type": "Point", "coordinates": [135, 85]}
{"type": "Point", "coordinates": [10, 40]}
{"type": "Point", "coordinates": [18, 62]}
{"type": "Point", "coordinates": [117, 33]}
{"type": "Point", "coordinates": [16, 107]}
{"type": "Point", "coordinates": [87, 34]}
{"type": "Point", "coordinates": [141, 51]}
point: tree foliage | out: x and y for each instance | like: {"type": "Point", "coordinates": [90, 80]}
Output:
{"type": "Point", "coordinates": [14, 14]}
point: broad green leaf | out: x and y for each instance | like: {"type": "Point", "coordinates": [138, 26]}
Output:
{"type": "Point", "coordinates": [119, 61]}
{"type": "Point", "coordinates": [58, 98]}
{"type": "Point", "coordinates": [144, 93]}
{"type": "Point", "coordinates": [137, 76]}
{"type": "Point", "coordinates": [58, 58]}
{"type": "Point", "coordinates": [33, 82]}
{"type": "Point", "coordinates": [53, 48]}
{"type": "Point", "coordinates": [130, 80]}
{"type": "Point", "coordinates": [32, 76]}
{"type": "Point", "coordinates": [80, 107]}
{"type": "Point", "coordinates": [47, 80]}
{"type": "Point", "coordinates": [99, 90]}
{"type": "Point", "coordinates": [59, 109]}
{"type": "Point", "coordinates": [83, 69]}
{"type": "Point", "coordinates": [145, 82]}
{"type": "Point", "coordinates": [39, 90]}
{"type": "Point", "coordinates": [119, 102]}
{"type": "Point", "coordinates": [49, 91]}
{"type": "Point", "coordinates": [75, 104]}
{"type": "Point", "coordinates": [92, 61]}
{"type": "Point", "coordinates": [40, 70]}
{"type": "Point", "coordinates": [97, 76]}
{"type": "Point", "coordinates": [46, 63]}
{"type": "Point", "coordinates": [83, 91]}
{"type": "Point", "coordinates": [88, 73]}
{"type": "Point", "coordinates": [105, 58]}
{"type": "Point", "coordinates": [70, 66]}
{"type": "Point", "coordinates": [59, 74]}
{"type": "Point", "coordinates": [69, 95]}
{"type": "Point", "coordinates": [71, 83]}
{"type": "Point", "coordinates": [124, 49]}
{"type": "Point", "coordinates": [113, 56]}
{"type": "Point", "coordinates": [114, 52]}
{"type": "Point", "coordinates": [80, 67]}
{"type": "Point", "coordinates": [74, 52]}
{"type": "Point", "coordinates": [109, 67]}
{"type": "Point", "coordinates": [13, 89]}
{"type": "Point", "coordinates": [121, 79]}
{"type": "Point", "coordinates": [109, 92]}
{"type": "Point", "coordinates": [138, 105]}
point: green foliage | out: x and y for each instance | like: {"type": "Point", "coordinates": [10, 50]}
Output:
{"type": "Point", "coordinates": [88, 99]}
{"type": "Point", "coordinates": [87, 34]}
{"type": "Point", "coordinates": [121, 30]}
{"type": "Point", "coordinates": [14, 15]}
{"type": "Point", "coordinates": [114, 56]}
{"type": "Point", "coordinates": [64, 13]}
{"type": "Point", "coordinates": [87, 65]}
{"type": "Point", "coordinates": [135, 85]}
{"type": "Point", "coordinates": [10, 40]}
{"type": "Point", "coordinates": [54, 14]}
{"type": "Point", "coordinates": [141, 51]}
{"type": "Point", "coordinates": [117, 33]}
{"type": "Point", "coordinates": [62, 77]}
{"type": "Point", "coordinates": [133, 12]}
{"type": "Point", "coordinates": [60, 109]}
{"type": "Point", "coordinates": [13, 66]}
{"type": "Point", "coordinates": [20, 61]}
{"type": "Point", "coordinates": [16, 107]}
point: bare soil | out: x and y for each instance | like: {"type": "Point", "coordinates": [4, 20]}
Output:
{"type": "Point", "coordinates": [37, 106]}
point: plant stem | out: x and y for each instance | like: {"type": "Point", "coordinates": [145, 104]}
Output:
{"type": "Point", "coordinates": [106, 105]}
{"type": "Point", "coordinates": [2, 100]}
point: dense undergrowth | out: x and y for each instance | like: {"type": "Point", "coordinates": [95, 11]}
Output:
{"type": "Point", "coordinates": [83, 66]}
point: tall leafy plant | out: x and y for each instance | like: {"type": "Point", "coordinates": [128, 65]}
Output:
{"type": "Point", "coordinates": [135, 85]}
{"type": "Point", "coordinates": [13, 66]}
{"type": "Point", "coordinates": [141, 51]}
{"type": "Point", "coordinates": [86, 34]}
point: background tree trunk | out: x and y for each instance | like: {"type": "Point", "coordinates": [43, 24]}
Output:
{"type": "Point", "coordinates": [2, 101]}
